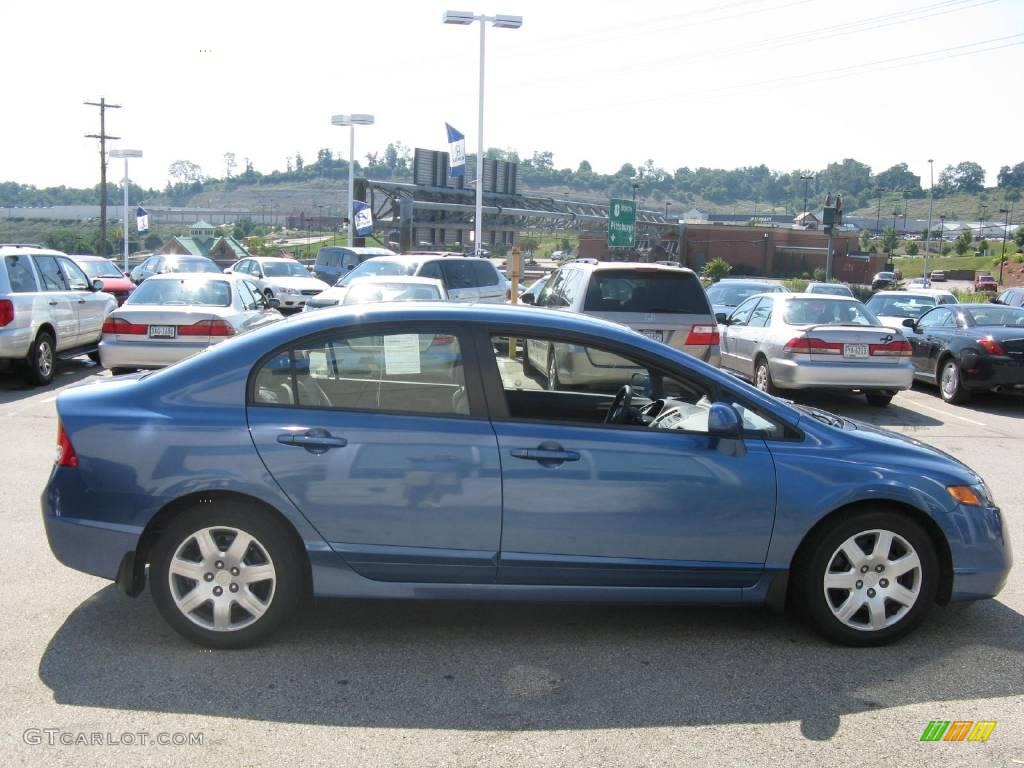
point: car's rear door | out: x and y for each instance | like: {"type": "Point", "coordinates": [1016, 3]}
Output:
{"type": "Point", "coordinates": [459, 279]}
{"type": "Point", "coordinates": [380, 438]}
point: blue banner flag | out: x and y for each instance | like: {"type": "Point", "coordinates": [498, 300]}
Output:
{"type": "Point", "coordinates": [364, 218]}
{"type": "Point", "coordinates": [456, 152]}
{"type": "Point", "coordinates": [142, 220]}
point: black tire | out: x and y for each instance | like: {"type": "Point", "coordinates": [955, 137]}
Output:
{"type": "Point", "coordinates": [121, 371]}
{"type": "Point", "coordinates": [878, 399]}
{"type": "Point", "coordinates": [551, 380]}
{"type": "Point", "coordinates": [42, 360]}
{"type": "Point", "coordinates": [954, 391]}
{"type": "Point", "coordinates": [763, 377]}
{"type": "Point", "coordinates": [272, 538]}
{"type": "Point", "coordinates": [95, 357]}
{"type": "Point", "coordinates": [821, 554]}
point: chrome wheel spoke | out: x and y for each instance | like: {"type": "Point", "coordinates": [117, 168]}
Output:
{"type": "Point", "coordinates": [883, 544]}
{"type": "Point", "coordinates": [221, 614]}
{"type": "Point", "coordinates": [845, 580]}
{"type": "Point", "coordinates": [250, 603]}
{"type": "Point", "coordinates": [853, 553]}
{"type": "Point", "coordinates": [850, 606]}
{"type": "Point", "coordinates": [193, 600]}
{"type": "Point", "coordinates": [187, 569]}
{"type": "Point", "coordinates": [902, 595]}
{"type": "Point", "coordinates": [876, 610]}
{"type": "Point", "coordinates": [250, 574]}
{"type": "Point", "coordinates": [207, 546]}
{"type": "Point", "coordinates": [904, 565]}
{"type": "Point", "coordinates": [236, 552]}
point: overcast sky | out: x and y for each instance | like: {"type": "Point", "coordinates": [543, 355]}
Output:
{"type": "Point", "coordinates": [788, 83]}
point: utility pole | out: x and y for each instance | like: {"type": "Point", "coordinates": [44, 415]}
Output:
{"type": "Point", "coordinates": [102, 136]}
{"type": "Point", "coordinates": [805, 179]}
{"type": "Point", "coordinates": [1006, 226]}
{"type": "Point", "coordinates": [878, 216]}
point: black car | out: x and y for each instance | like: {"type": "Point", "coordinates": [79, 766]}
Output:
{"type": "Point", "coordinates": [883, 281]}
{"type": "Point", "coordinates": [1011, 297]}
{"type": "Point", "coordinates": [965, 348]}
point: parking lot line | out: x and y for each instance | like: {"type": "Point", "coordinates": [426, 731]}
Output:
{"type": "Point", "coordinates": [941, 412]}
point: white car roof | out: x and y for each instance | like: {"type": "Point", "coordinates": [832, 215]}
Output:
{"type": "Point", "coordinates": [404, 279]}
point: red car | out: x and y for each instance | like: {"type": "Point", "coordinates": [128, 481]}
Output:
{"type": "Point", "coordinates": [985, 283]}
{"type": "Point", "coordinates": [114, 280]}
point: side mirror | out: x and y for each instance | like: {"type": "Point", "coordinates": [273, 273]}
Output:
{"type": "Point", "coordinates": [724, 422]}
{"type": "Point", "coordinates": [97, 285]}
{"type": "Point", "coordinates": [527, 298]}
{"type": "Point", "coordinates": [909, 322]}
{"type": "Point", "coordinates": [722, 318]}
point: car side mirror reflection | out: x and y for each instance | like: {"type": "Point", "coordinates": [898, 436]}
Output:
{"type": "Point", "coordinates": [722, 318]}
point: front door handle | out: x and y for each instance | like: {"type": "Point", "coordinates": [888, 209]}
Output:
{"type": "Point", "coordinates": [314, 440]}
{"type": "Point", "coordinates": [548, 454]}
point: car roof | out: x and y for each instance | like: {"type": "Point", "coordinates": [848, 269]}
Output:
{"type": "Point", "coordinates": [271, 258]}
{"type": "Point", "coordinates": [930, 293]}
{"type": "Point", "coordinates": [638, 266]}
{"type": "Point", "coordinates": [409, 279]}
{"type": "Point", "coordinates": [11, 249]}
{"type": "Point", "coordinates": [89, 257]}
{"type": "Point", "coordinates": [815, 296]}
{"type": "Point", "coordinates": [198, 276]}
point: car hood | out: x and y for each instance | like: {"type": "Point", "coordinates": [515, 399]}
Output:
{"type": "Point", "coordinates": [298, 283]}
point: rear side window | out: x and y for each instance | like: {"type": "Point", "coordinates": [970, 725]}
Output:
{"type": "Point", "coordinates": [19, 272]}
{"type": "Point", "coordinates": [49, 271]}
{"type": "Point", "coordinates": [484, 273]}
{"type": "Point", "coordinates": [627, 290]}
{"type": "Point", "coordinates": [458, 274]}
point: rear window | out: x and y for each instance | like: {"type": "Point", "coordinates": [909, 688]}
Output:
{"type": "Point", "coordinates": [380, 268]}
{"type": "Point", "coordinates": [826, 312]}
{"type": "Point", "coordinates": [182, 293]}
{"type": "Point", "coordinates": [192, 265]}
{"type": "Point", "coordinates": [901, 306]}
{"type": "Point", "coordinates": [734, 294]}
{"type": "Point", "coordinates": [627, 290]}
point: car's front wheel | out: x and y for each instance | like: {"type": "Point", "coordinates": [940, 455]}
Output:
{"type": "Point", "coordinates": [226, 576]}
{"type": "Point", "coordinates": [869, 578]}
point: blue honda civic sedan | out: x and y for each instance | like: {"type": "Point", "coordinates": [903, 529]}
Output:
{"type": "Point", "coordinates": [429, 451]}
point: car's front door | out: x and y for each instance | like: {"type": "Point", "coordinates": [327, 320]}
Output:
{"type": "Point", "coordinates": [735, 345]}
{"type": "Point", "coordinates": [91, 307]}
{"type": "Point", "coordinates": [928, 337]}
{"type": "Point", "coordinates": [588, 503]}
{"type": "Point", "coordinates": [380, 439]}
{"type": "Point", "coordinates": [58, 298]}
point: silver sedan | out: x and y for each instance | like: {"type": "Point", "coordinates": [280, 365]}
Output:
{"type": "Point", "coordinates": [815, 341]}
{"type": "Point", "coordinates": [170, 317]}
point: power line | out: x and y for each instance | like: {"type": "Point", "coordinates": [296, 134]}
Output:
{"type": "Point", "coordinates": [103, 137]}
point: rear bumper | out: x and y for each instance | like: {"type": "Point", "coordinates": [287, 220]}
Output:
{"type": "Point", "coordinates": [146, 354]}
{"type": "Point", "coordinates": [987, 373]}
{"type": "Point", "coordinates": [812, 374]}
{"type": "Point", "coordinates": [15, 341]}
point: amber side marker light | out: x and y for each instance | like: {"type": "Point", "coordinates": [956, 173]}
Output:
{"type": "Point", "coordinates": [964, 494]}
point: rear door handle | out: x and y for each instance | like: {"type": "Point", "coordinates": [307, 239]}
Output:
{"type": "Point", "coordinates": [53, 303]}
{"type": "Point", "coordinates": [544, 455]}
{"type": "Point", "coordinates": [315, 440]}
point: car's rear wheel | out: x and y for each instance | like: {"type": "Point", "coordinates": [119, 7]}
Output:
{"type": "Point", "coordinates": [224, 575]}
{"type": "Point", "coordinates": [869, 579]}
{"type": "Point", "coordinates": [95, 357]}
{"type": "Point", "coordinates": [951, 383]}
{"type": "Point", "coordinates": [552, 380]}
{"type": "Point", "coordinates": [121, 371]}
{"type": "Point", "coordinates": [42, 359]}
{"type": "Point", "coordinates": [879, 399]}
{"type": "Point", "coordinates": [763, 377]}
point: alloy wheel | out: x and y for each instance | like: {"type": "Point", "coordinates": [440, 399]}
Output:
{"type": "Point", "coordinates": [873, 580]}
{"type": "Point", "coordinates": [222, 578]}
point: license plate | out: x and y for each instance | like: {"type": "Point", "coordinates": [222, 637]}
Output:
{"type": "Point", "coordinates": [163, 331]}
{"type": "Point", "coordinates": [656, 335]}
{"type": "Point", "coordinates": [855, 350]}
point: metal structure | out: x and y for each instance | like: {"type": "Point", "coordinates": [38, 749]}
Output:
{"type": "Point", "coordinates": [448, 213]}
{"type": "Point", "coordinates": [351, 121]}
{"type": "Point", "coordinates": [125, 153]}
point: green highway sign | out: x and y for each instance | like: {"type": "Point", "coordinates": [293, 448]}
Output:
{"type": "Point", "coordinates": [621, 223]}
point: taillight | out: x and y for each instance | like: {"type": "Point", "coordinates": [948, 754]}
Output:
{"type": "Point", "coordinates": [702, 335]}
{"type": "Point", "coordinates": [992, 346]}
{"type": "Point", "coordinates": [120, 325]}
{"type": "Point", "coordinates": [65, 450]}
{"type": "Point", "coordinates": [207, 328]}
{"type": "Point", "coordinates": [814, 346]}
{"type": "Point", "coordinates": [6, 312]}
{"type": "Point", "coordinates": [897, 348]}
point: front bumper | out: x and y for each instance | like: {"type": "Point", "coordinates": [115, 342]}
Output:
{"type": "Point", "coordinates": [146, 354]}
{"type": "Point", "coordinates": [790, 373]}
{"type": "Point", "coordinates": [983, 557]}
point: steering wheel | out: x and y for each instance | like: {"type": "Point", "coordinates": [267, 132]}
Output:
{"type": "Point", "coordinates": [620, 406]}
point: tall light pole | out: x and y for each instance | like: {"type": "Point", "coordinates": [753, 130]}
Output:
{"type": "Point", "coordinates": [931, 199]}
{"type": "Point", "coordinates": [878, 216]}
{"type": "Point", "coordinates": [464, 18]}
{"type": "Point", "coordinates": [942, 231]}
{"type": "Point", "coordinates": [805, 179]}
{"type": "Point", "coordinates": [125, 153]}
{"type": "Point", "coordinates": [1002, 258]}
{"type": "Point", "coordinates": [351, 121]}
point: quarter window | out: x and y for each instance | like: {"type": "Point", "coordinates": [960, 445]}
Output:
{"type": "Point", "coordinates": [19, 272]}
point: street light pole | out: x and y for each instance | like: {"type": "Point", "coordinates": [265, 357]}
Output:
{"type": "Point", "coordinates": [931, 198]}
{"type": "Point", "coordinates": [125, 153]}
{"type": "Point", "coordinates": [501, 21]}
{"type": "Point", "coordinates": [351, 121]}
{"type": "Point", "coordinates": [942, 231]}
{"type": "Point", "coordinates": [1002, 257]}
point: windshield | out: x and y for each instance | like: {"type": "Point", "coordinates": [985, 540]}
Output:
{"type": "Point", "coordinates": [284, 269]}
{"type": "Point", "coordinates": [185, 292]}
{"type": "Point", "coordinates": [379, 267]}
{"type": "Point", "coordinates": [192, 265]}
{"type": "Point", "coordinates": [734, 294]}
{"type": "Point", "coordinates": [996, 315]}
{"type": "Point", "coordinates": [827, 312]}
{"type": "Point", "coordinates": [365, 293]}
{"type": "Point", "coordinates": [96, 269]}
{"type": "Point", "coordinates": [832, 290]}
{"type": "Point", "coordinates": [901, 306]}
{"type": "Point", "coordinates": [630, 290]}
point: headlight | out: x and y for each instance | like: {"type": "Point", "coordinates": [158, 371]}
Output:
{"type": "Point", "coordinates": [288, 291]}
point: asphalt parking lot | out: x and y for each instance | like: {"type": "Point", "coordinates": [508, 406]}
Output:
{"type": "Point", "coordinates": [368, 684]}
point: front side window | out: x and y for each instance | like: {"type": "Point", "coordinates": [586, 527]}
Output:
{"type": "Point", "coordinates": [741, 315]}
{"type": "Point", "coordinates": [762, 315]}
{"type": "Point", "coordinates": [419, 372]}
{"type": "Point", "coordinates": [75, 276]}
{"type": "Point", "coordinates": [249, 297]}
{"type": "Point", "coordinates": [19, 273]}
{"type": "Point", "coordinates": [937, 318]}
{"type": "Point", "coordinates": [100, 269]}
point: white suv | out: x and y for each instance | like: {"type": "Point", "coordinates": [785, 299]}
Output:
{"type": "Point", "coordinates": [48, 309]}
{"type": "Point", "coordinates": [465, 278]}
